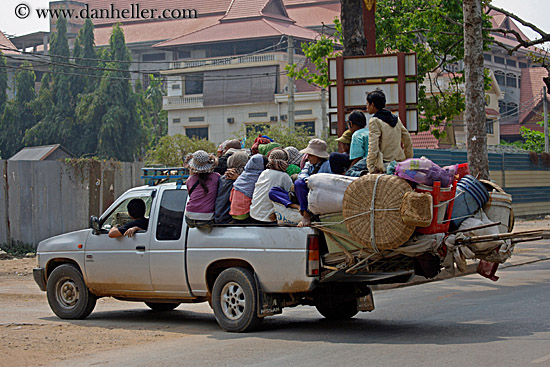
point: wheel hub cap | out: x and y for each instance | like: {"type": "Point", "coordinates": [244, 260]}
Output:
{"type": "Point", "coordinates": [233, 301]}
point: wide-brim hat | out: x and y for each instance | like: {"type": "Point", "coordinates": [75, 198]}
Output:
{"type": "Point", "coordinates": [345, 138]}
{"type": "Point", "coordinates": [201, 162]}
{"type": "Point", "coordinates": [316, 147]}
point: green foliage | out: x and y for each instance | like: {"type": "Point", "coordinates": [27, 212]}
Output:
{"type": "Point", "coordinates": [282, 134]}
{"type": "Point", "coordinates": [533, 140]}
{"type": "Point", "coordinates": [430, 28]}
{"type": "Point", "coordinates": [3, 82]}
{"type": "Point", "coordinates": [18, 248]}
{"type": "Point", "coordinates": [171, 150]}
{"type": "Point", "coordinates": [18, 115]}
{"type": "Point", "coordinates": [149, 109]}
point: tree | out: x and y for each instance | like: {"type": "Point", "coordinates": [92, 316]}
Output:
{"type": "Point", "coordinates": [3, 82]}
{"type": "Point", "coordinates": [18, 115]}
{"type": "Point", "coordinates": [171, 150]}
{"type": "Point", "coordinates": [474, 114]}
{"type": "Point", "coordinates": [149, 109]}
{"type": "Point", "coordinates": [108, 117]}
{"type": "Point", "coordinates": [354, 39]}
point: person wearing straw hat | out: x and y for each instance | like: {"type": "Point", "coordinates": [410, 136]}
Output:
{"type": "Point", "coordinates": [202, 188]}
{"type": "Point", "coordinates": [340, 162]}
{"type": "Point", "coordinates": [317, 162]}
{"type": "Point", "coordinates": [261, 207]}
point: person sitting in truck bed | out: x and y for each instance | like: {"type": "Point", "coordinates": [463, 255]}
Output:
{"type": "Point", "coordinates": [229, 148]}
{"type": "Point", "coordinates": [317, 162]}
{"type": "Point", "coordinates": [261, 207]}
{"type": "Point", "coordinates": [202, 188]}
{"type": "Point", "coordinates": [235, 166]}
{"type": "Point", "coordinates": [136, 210]}
{"type": "Point", "coordinates": [243, 188]}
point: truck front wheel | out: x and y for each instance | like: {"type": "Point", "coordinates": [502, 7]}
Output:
{"type": "Point", "coordinates": [338, 311]}
{"type": "Point", "coordinates": [68, 296]}
{"type": "Point", "coordinates": [234, 300]}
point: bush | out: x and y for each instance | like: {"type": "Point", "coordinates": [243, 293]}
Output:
{"type": "Point", "coordinates": [171, 150]}
{"type": "Point", "coordinates": [18, 248]}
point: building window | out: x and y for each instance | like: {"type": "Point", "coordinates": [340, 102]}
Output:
{"type": "Point", "coordinates": [511, 63]}
{"type": "Point", "coordinates": [184, 54]}
{"type": "Point", "coordinates": [176, 121]}
{"type": "Point", "coordinates": [487, 57]}
{"type": "Point", "coordinates": [196, 119]}
{"type": "Point", "coordinates": [257, 114]}
{"type": "Point", "coordinates": [303, 112]}
{"type": "Point", "coordinates": [501, 79]}
{"type": "Point", "coordinates": [499, 60]}
{"type": "Point", "coordinates": [194, 83]}
{"type": "Point", "coordinates": [176, 86]}
{"type": "Point", "coordinates": [522, 65]}
{"type": "Point", "coordinates": [489, 126]}
{"type": "Point", "coordinates": [252, 129]}
{"type": "Point", "coordinates": [154, 57]}
{"type": "Point", "coordinates": [512, 109]}
{"type": "Point", "coordinates": [197, 132]}
{"type": "Point", "coordinates": [502, 107]}
{"type": "Point", "coordinates": [511, 80]}
{"type": "Point", "coordinates": [308, 125]}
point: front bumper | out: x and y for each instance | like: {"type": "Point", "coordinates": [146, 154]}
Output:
{"type": "Point", "coordinates": [40, 278]}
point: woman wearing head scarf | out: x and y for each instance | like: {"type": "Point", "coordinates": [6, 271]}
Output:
{"type": "Point", "coordinates": [243, 188]}
{"type": "Point", "coordinates": [229, 147]}
{"type": "Point", "coordinates": [235, 166]}
{"type": "Point", "coordinates": [275, 175]}
{"type": "Point", "coordinates": [202, 188]}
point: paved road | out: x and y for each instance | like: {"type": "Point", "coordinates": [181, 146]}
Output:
{"type": "Point", "coordinates": [466, 321]}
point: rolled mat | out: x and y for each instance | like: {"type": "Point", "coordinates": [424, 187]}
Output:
{"type": "Point", "coordinates": [381, 195]}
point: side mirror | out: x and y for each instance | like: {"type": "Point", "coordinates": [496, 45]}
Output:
{"type": "Point", "coordinates": [94, 224]}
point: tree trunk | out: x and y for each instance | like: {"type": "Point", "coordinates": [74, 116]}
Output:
{"type": "Point", "coordinates": [355, 42]}
{"type": "Point", "coordinates": [474, 114]}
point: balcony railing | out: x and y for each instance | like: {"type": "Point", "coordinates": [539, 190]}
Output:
{"type": "Point", "coordinates": [175, 101]}
{"type": "Point", "coordinates": [229, 60]}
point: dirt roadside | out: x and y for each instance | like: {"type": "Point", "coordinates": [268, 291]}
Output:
{"type": "Point", "coordinates": [32, 335]}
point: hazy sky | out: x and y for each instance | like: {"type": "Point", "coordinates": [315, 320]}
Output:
{"type": "Point", "coordinates": [534, 11]}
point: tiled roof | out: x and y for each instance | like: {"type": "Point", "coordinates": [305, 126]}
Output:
{"type": "Point", "coordinates": [513, 129]}
{"type": "Point", "coordinates": [530, 91]}
{"type": "Point", "coordinates": [498, 21]}
{"type": "Point", "coordinates": [246, 29]}
{"type": "Point", "coordinates": [154, 31]}
{"type": "Point", "coordinates": [240, 9]}
{"type": "Point", "coordinates": [314, 14]}
{"type": "Point", "coordinates": [6, 43]}
{"type": "Point", "coordinates": [425, 139]}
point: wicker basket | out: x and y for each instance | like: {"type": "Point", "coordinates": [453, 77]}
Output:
{"type": "Point", "coordinates": [388, 229]}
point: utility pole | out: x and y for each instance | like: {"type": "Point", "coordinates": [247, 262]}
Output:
{"type": "Point", "coordinates": [290, 51]}
{"type": "Point", "coordinates": [324, 117]}
{"type": "Point", "coordinates": [545, 106]}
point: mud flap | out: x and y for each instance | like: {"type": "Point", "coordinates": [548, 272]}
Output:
{"type": "Point", "coordinates": [365, 303]}
{"type": "Point", "coordinates": [268, 304]}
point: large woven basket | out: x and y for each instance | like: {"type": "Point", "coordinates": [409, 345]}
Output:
{"type": "Point", "coordinates": [388, 230]}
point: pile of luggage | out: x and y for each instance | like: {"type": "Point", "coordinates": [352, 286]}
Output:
{"type": "Point", "coordinates": [419, 216]}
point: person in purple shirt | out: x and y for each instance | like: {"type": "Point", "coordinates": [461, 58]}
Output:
{"type": "Point", "coordinates": [202, 188]}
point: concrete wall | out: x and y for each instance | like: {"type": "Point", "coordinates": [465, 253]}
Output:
{"type": "Point", "coordinates": [40, 199]}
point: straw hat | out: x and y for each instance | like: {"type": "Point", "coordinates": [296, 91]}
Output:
{"type": "Point", "coordinates": [200, 162]}
{"type": "Point", "coordinates": [389, 230]}
{"type": "Point", "coordinates": [316, 147]}
{"type": "Point", "coordinates": [346, 137]}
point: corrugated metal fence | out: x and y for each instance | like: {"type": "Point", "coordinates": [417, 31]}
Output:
{"type": "Point", "coordinates": [40, 199]}
{"type": "Point", "coordinates": [528, 182]}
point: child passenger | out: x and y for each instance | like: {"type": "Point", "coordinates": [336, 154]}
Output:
{"type": "Point", "coordinates": [202, 188]}
{"type": "Point", "coordinates": [261, 207]}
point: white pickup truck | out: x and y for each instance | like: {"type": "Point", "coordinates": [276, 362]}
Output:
{"type": "Point", "coordinates": [245, 272]}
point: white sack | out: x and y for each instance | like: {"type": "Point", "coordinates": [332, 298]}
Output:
{"type": "Point", "coordinates": [326, 192]}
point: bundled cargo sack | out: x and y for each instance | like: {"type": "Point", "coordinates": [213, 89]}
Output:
{"type": "Point", "coordinates": [424, 171]}
{"type": "Point", "coordinates": [326, 192]}
{"type": "Point", "coordinates": [286, 216]}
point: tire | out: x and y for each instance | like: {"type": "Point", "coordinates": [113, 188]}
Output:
{"type": "Point", "coordinates": [161, 307]}
{"type": "Point", "coordinates": [340, 311]}
{"type": "Point", "coordinates": [234, 300]}
{"type": "Point", "coordinates": [68, 296]}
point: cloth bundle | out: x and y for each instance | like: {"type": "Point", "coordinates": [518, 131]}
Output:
{"type": "Point", "coordinates": [424, 171]}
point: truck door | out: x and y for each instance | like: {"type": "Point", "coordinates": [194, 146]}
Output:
{"type": "Point", "coordinates": [167, 253]}
{"type": "Point", "coordinates": [117, 265]}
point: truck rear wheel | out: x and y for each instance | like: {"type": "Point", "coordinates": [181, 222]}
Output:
{"type": "Point", "coordinates": [234, 300]}
{"type": "Point", "coordinates": [158, 306]}
{"type": "Point", "coordinates": [68, 296]}
{"type": "Point", "coordinates": [338, 311]}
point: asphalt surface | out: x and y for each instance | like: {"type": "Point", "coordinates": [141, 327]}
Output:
{"type": "Point", "coordinates": [463, 321]}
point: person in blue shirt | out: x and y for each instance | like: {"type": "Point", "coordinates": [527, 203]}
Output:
{"type": "Point", "coordinates": [359, 147]}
